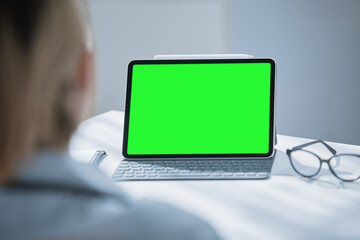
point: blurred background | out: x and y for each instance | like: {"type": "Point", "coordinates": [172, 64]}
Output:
{"type": "Point", "coordinates": [316, 44]}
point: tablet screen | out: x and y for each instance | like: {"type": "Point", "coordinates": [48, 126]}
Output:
{"type": "Point", "coordinates": [199, 108]}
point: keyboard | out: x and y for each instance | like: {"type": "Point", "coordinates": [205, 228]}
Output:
{"type": "Point", "coordinates": [129, 170]}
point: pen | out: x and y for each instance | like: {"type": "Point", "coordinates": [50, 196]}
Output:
{"type": "Point", "coordinates": [98, 157]}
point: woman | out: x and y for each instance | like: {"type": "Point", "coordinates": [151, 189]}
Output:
{"type": "Point", "coordinates": [46, 88]}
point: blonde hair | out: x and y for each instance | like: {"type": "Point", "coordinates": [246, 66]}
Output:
{"type": "Point", "coordinates": [40, 44]}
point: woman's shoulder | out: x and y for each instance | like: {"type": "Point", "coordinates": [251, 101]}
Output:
{"type": "Point", "coordinates": [54, 194]}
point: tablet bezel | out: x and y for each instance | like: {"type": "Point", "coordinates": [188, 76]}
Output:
{"type": "Point", "coordinates": [200, 61]}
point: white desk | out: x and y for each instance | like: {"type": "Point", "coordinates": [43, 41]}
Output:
{"type": "Point", "coordinates": [285, 206]}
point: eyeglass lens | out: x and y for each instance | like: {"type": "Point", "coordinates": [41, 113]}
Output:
{"type": "Point", "coordinates": [345, 166]}
{"type": "Point", "coordinates": [305, 163]}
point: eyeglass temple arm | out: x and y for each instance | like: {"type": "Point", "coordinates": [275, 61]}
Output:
{"type": "Point", "coordinates": [333, 151]}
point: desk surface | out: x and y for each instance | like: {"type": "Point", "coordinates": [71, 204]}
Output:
{"type": "Point", "coordinates": [285, 206]}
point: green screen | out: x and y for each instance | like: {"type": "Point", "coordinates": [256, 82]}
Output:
{"type": "Point", "coordinates": [199, 108]}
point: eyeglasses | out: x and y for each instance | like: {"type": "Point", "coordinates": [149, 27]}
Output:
{"type": "Point", "coordinates": [345, 167]}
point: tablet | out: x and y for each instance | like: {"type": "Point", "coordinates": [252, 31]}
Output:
{"type": "Point", "coordinates": [200, 108]}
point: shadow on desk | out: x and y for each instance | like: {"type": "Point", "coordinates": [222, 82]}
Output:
{"type": "Point", "coordinates": [331, 183]}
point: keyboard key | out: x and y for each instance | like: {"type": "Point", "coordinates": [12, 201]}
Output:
{"type": "Point", "coordinates": [239, 174]}
{"type": "Point", "coordinates": [216, 174]}
{"type": "Point", "coordinates": [184, 175]}
{"type": "Point", "coordinates": [227, 174]}
{"type": "Point", "coordinates": [123, 168]}
{"type": "Point", "coordinates": [263, 174]}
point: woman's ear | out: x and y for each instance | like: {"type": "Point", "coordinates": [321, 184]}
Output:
{"type": "Point", "coordinates": [85, 70]}
{"type": "Point", "coordinates": [83, 91]}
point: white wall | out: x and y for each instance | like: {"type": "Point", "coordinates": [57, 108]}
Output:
{"type": "Point", "coordinates": [139, 29]}
{"type": "Point", "coordinates": [316, 44]}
